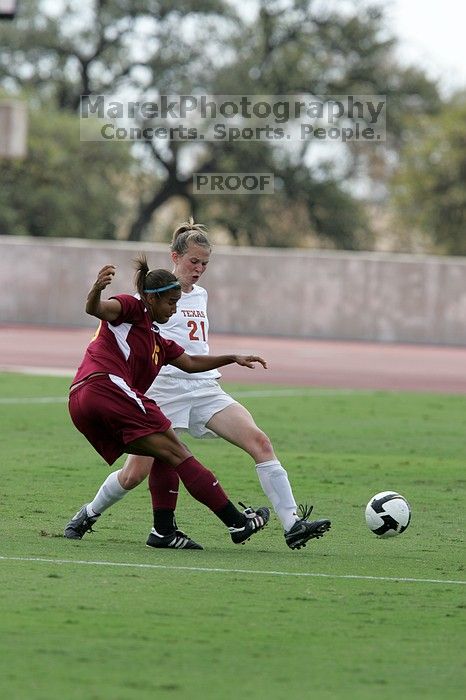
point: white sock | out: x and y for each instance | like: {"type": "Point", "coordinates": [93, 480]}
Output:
{"type": "Point", "coordinates": [109, 493]}
{"type": "Point", "coordinates": [274, 481]}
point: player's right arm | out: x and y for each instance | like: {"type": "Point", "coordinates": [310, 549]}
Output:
{"type": "Point", "coordinates": [106, 310]}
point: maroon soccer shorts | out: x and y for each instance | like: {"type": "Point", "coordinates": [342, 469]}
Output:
{"type": "Point", "coordinates": [110, 414]}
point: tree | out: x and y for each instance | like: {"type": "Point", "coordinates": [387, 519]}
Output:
{"type": "Point", "coordinates": [62, 53]}
{"type": "Point", "coordinates": [430, 185]}
{"type": "Point", "coordinates": [293, 48]}
{"type": "Point", "coordinates": [64, 187]}
{"type": "Point", "coordinates": [155, 47]}
{"type": "Point", "coordinates": [143, 45]}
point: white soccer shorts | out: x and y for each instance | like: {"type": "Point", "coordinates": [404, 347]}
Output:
{"type": "Point", "coordinates": [190, 403]}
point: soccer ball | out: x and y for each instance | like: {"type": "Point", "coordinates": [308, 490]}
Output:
{"type": "Point", "coordinates": [388, 514]}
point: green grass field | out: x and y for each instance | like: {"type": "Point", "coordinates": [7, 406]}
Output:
{"type": "Point", "coordinates": [350, 616]}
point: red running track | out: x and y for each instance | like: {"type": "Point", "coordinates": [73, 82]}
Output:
{"type": "Point", "coordinates": [309, 363]}
{"type": "Point", "coordinates": [332, 364]}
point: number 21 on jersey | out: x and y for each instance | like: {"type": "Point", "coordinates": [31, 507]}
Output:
{"type": "Point", "coordinates": [197, 330]}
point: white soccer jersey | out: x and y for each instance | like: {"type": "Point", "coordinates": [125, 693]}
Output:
{"type": "Point", "coordinates": [189, 327]}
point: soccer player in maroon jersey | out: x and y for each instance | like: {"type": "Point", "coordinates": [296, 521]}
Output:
{"type": "Point", "coordinates": [108, 404]}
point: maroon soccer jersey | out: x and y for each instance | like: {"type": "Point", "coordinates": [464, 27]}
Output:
{"type": "Point", "coordinates": [130, 347]}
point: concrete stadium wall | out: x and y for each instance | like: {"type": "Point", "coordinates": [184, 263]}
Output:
{"type": "Point", "coordinates": [300, 293]}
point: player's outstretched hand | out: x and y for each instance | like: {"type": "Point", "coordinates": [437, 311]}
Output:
{"type": "Point", "coordinates": [250, 360]}
{"type": "Point", "coordinates": [105, 277]}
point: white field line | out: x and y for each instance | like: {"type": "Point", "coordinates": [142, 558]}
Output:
{"type": "Point", "coordinates": [47, 371]}
{"type": "Point", "coordinates": [254, 393]}
{"type": "Point", "coordinates": [36, 399]}
{"type": "Point", "coordinates": [267, 393]}
{"type": "Point", "coordinates": [249, 572]}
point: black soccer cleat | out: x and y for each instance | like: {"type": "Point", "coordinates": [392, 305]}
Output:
{"type": "Point", "coordinates": [255, 521]}
{"type": "Point", "coordinates": [304, 530]}
{"type": "Point", "coordinates": [80, 524]}
{"type": "Point", "coordinates": [175, 540]}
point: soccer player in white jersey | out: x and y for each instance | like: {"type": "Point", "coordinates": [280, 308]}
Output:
{"type": "Point", "coordinates": [198, 405]}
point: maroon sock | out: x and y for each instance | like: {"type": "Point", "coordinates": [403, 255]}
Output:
{"type": "Point", "coordinates": [202, 484]}
{"type": "Point", "coordinates": [163, 485]}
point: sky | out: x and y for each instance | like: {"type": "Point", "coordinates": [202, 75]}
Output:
{"type": "Point", "coordinates": [432, 34]}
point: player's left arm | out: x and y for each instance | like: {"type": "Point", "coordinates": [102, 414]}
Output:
{"type": "Point", "coordinates": [105, 309]}
{"type": "Point", "coordinates": [202, 363]}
